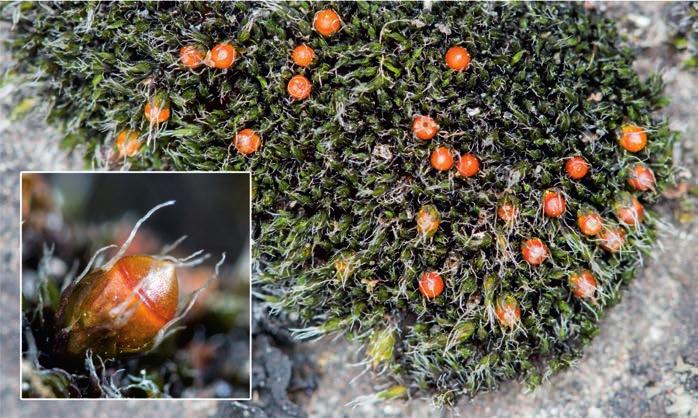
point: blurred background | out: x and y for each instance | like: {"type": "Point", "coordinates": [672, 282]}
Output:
{"type": "Point", "coordinates": [211, 209]}
{"type": "Point", "coordinates": [67, 217]}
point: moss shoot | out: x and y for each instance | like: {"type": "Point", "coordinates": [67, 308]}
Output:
{"type": "Point", "coordinates": [340, 177]}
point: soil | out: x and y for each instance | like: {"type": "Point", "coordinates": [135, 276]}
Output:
{"type": "Point", "coordinates": [643, 364]}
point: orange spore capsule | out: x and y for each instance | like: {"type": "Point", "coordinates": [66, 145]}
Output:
{"type": "Point", "coordinates": [534, 251]}
{"type": "Point", "coordinates": [247, 141]}
{"type": "Point", "coordinates": [553, 204]}
{"type": "Point", "coordinates": [576, 167]}
{"type": "Point", "coordinates": [633, 138]}
{"type": "Point", "coordinates": [424, 127]}
{"type": "Point", "coordinates": [121, 309]}
{"type": "Point", "coordinates": [157, 110]}
{"type": "Point", "coordinates": [590, 223]}
{"type": "Point", "coordinates": [127, 143]}
{"type": "Point", "coordinates": [431, 285]}
{"type": "Point", "coordinates": [458, 58]}
{"type": "Point", "coordinates": [442, 159]}
{"type": "Point", "coordinates": [299, 87]}
{"type": "Point", "coordinates": [583, 285]}
{"type": "Point", "coordinates": [327, 22]}
{"type": "Point", "coordinates": [629, 210]}
{"type": "Point", "coordinates": [303, 55]}
{"type": "Point", "coordinates": [612, 239]}
{"type": "Point", "coordinates": [468, 165]}
{"type": "Point", "coordinates": [641, 178]}
{"type": "Point", "coordinates": [508, 311]}
{"type": "Point", "coordinates": [221, 56]}
{"type": "Point", "coordinates": [192, 56]}
{"type": "Point", "coordinates": [428, 220]}
{"type": "Point", "coordinates": [507, 211]}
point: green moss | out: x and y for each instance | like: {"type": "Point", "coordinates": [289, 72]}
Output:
{"type": "Point", "coordinates": [340, 176]}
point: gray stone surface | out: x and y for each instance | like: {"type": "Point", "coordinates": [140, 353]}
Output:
{"type": "Point", "coordinates": [643, 364]}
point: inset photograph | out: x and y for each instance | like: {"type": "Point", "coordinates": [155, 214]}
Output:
{"type": "Point", "coordinates": [135, 285]}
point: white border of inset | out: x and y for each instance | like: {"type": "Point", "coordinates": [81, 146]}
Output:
{"type": "Point", "coordinates": [249, 268]}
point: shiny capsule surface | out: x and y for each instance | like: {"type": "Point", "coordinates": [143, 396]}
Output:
{"type": "Point", "coordinates": [119, 310]}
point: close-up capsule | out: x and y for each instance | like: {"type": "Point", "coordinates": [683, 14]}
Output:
{"type": "Point", "coordinates": [129, 283]}
{"type": "Point", "coordinates": [119, 309]}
